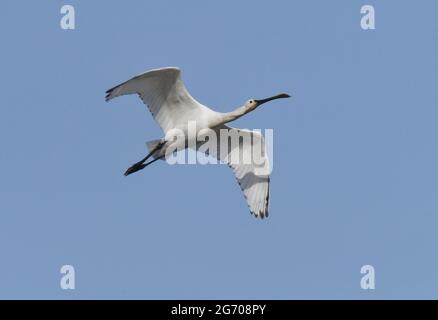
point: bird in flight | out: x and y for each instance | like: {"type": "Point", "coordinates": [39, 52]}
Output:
{"type": "Point", "coordinates": [171, 105]}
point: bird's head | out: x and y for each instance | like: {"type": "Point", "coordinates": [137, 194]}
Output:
{"type": "Point", "coordinates": [253, 103]}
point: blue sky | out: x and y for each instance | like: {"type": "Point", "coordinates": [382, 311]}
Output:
{"type": "Point", "coordinates": [355, 157]}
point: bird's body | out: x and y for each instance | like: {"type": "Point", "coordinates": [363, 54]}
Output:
{"type": "Point", "coordinates": [163, 91]}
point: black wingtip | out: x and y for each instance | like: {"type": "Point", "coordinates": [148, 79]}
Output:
{"type": "Point", "coordinates": [108, 94]}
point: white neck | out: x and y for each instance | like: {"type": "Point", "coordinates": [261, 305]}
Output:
{"type": "Point", "coordinates": [236, 114]}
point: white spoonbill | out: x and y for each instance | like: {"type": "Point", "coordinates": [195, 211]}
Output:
{"type": "Point", "coordinates": [171, 105]}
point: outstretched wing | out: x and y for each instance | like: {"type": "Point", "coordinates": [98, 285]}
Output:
{"type": "Point", "coordinates": [250, 164]}
{"type": "Point", "coordinates": [163, 91]}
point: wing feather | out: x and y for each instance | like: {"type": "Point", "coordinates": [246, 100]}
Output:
{"type": "Point", "coordinates": [252, 178]}
{"type": "Point", "coordinates": [163, 91]}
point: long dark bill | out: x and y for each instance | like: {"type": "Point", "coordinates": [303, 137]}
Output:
{"type": "Point", "coordinates": [278, 96]}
